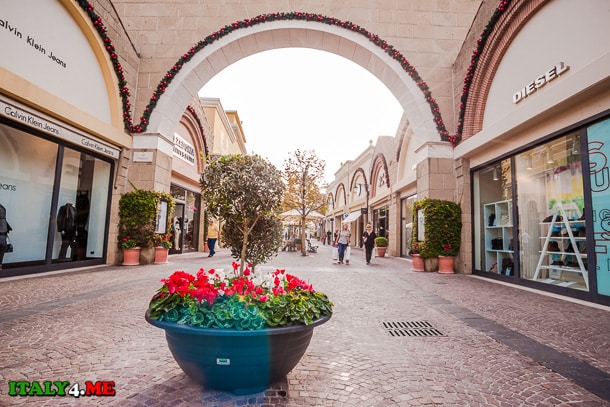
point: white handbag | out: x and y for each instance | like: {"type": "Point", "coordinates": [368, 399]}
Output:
{"type": "Point", "coordinates": [348, 251]}
{"type": "Point", "coordinates": [335, 253]}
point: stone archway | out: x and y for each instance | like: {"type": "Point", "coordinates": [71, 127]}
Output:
{"type": "Point", "coordinates": [405, 84]}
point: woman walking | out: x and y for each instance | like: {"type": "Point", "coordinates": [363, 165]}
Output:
{"type": "Point", "coordinates": [343, 242]}
{"type": "Point", "coordinates": [369, 242]}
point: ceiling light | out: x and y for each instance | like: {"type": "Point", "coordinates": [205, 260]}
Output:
{"type": "Point", "coordinates": [495, 174]}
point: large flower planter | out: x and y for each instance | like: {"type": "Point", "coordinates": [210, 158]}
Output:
{"type": "Point", "coordinates": [381, 251]}
{"type": "Point", "coordinates": [417, 262]}
{"type": "Point", "coordinates": [446, 264]}
{"type": "Point", "coordinates": [161, 255]}
{"type": "Point", "coordinates": [131, 257]}
{"type": "Point", "coordinates": [242, 362]}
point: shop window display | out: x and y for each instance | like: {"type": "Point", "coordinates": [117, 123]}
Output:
{"type": "Point", "coordinates": [494, 218]}
{"type": "Point", "coordinates": [551, 214]}
{"type": "Point", "coordinates": [55, 215]}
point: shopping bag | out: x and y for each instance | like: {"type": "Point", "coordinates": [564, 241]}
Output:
{"type": "Point", "coordinates": [348, 251]}
{"type": "Point", "coordinates": [335, 253]}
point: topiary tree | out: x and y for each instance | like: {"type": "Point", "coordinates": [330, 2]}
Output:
{"type": "Point", "coordinates": [245, 191]}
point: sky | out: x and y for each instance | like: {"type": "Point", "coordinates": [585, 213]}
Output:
{"type": "Point", "coordinates": [297, 98]}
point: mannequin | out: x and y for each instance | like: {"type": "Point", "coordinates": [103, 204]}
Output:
{"type": "Point", "coordinates": [66, 226]}
{"type": "Point", "coordinates": [5, 228]}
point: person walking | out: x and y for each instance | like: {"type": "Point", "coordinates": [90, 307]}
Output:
{"type": "Point", "coordinates": [212, 236]}
{"type": "Point", "coordinates": [368, 237]}
{"type": "Point", "coordinates": [343, 240]}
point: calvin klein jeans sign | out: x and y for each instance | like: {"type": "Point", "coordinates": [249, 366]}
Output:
{"type": "Point", "coordinates": [30, 41]}
{"type": "Point", "coordinates": [540, 81]}
{"type": "Point", "coordinates": [49, 127]}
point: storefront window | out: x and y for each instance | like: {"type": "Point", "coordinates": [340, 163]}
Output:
{"type": "Point", "coordinates": [82, 207]}
{"type": "Point", "coordinates": [494, 248]}
{"type": "Point", "coordinates": [406, 210]}
{"type": "Point", "coordinates": [551, 214]}
{"type": "Point", "coordinates": [56, 216]}
{"type": "Point", "coordinates": [185, 220]}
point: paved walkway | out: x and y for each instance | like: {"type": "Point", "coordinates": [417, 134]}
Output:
{"type": "Point", "coordinates": [487, 344]}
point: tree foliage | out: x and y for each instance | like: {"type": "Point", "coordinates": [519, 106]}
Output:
{"type": "Point", "coordinates": [243, 191]}
{"type": "Point", "coordinates": [304, 176]}
{"type": "Point", "coordinates": [267, 242]}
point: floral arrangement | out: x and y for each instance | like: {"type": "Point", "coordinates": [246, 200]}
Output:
{"type": "Point", "coordinates": [415, 248]}
{"type": "Point", "coordinates": [128, 242]}
{"type": "Point", "coordinates": [449, 250]}
{"type": "Point", "coordinates": [246, 302]}
{"type": "Point", "coordinates": [164, 241]}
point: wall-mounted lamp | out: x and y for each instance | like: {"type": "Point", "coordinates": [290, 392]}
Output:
{"type": "Point", "coordinates": [495, 174]}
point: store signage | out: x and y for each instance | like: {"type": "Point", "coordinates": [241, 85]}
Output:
{"type": "Point", "coordinates": [31, 42]}
{"type": "Point", "coordinates": [54, 129]}
{"type": "Point", "coordinates": [540, 81]}
{"type": "Point", "coordinates": [184, 150]}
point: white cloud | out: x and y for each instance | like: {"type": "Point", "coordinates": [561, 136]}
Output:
{"type": "Point", "coordinates": [306, 99]}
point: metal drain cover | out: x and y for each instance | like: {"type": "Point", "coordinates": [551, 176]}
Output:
{"type": "Point", "coordinates": [411, 328]}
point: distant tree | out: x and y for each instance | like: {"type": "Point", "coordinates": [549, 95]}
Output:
{"type": "Point", "coordinates": [304, 177]}
{"type": "Point", "coordinates": [246, 192]}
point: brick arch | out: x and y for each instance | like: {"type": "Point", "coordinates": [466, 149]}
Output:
{"type": "Point", "coordinates": [229, 45]}
{"type": "Point", "coordinates": [366, 182]}
{"type": "Point", "coordinates": [270, 31]}
{"type": "Point", "coordinates": [498, 37]}
{"type": "Point", "coordinates": [340, 188]}
{"type": "Point", "coordinates": [379, 162]}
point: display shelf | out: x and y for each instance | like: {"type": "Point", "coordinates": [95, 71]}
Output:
{"type": "Point", "coordinates": [563, 244]}
{"type": "Point", "coordinates": [499, 237]}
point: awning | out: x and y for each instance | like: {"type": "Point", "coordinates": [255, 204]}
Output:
{"type": "Point", "coordinates": [352, 217]}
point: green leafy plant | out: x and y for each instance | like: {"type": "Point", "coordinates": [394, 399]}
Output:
{"type": "Point", "coordinates": [128, 243]}
{"type": "Point", "coordinates": [442, 227]}
{"type": "Point", "coordinates": [381, 241]}
{"type": "Point", "coordinates": [238, 300]}
{"type": "Point", "coordinates": [138, 216]}
{"type": "Point", "coordinates": [163, 241]}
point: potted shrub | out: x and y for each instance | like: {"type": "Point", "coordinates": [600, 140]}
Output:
{"type": "Point", "coordinates": [237, 332]}
{"type": "Point", "coordinates": [382, 245]}
{"type": "Point", "coordinates": [442, 226]}
{"type": "Point", "coordinates": [162, 245]}
{"type": "Point", "coordinates": [446, 260]}
{"type": "Point", "coordinates": [240, 331]}
{"type": "Point", "coordinates": [416, 258]}
{"type": "Point", "coordinates": [138, 220]}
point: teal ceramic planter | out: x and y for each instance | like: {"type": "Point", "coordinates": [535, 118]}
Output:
{"type": "Point", "coordinates": [242, 362]}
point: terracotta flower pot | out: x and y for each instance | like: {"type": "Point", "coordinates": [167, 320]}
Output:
{"type": "Point", "coordinates": [381, 251]}
{"type": "Point", "coordinates": [446, 264]}
{"type": "Point", "coordinates": [417, 262]}
{"type": "Point", "coordinates": [131, 257]}
{"type": "Point", "coordinates": [161, 254]}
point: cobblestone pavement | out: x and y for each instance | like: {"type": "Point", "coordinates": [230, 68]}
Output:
{"type": "Point", "coordinates": [490, 344]}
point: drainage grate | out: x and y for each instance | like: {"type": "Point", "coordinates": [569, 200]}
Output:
{"type": "Point", "coordinates": [411, 328]}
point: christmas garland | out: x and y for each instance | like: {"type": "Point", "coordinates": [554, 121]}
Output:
{"type": "Point", "coordinates": [302, 16]}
